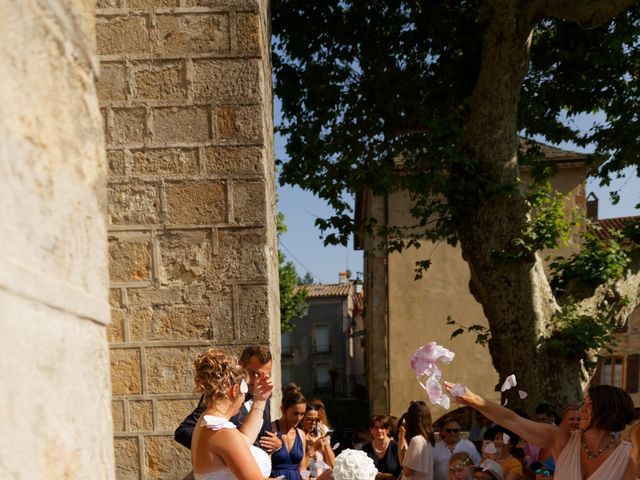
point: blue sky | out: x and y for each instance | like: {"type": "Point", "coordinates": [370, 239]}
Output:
{"type": "Point", "coordinates": [302, 243]}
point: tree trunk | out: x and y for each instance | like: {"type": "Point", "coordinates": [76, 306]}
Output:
{"type": "Point", "coordinates": [514, 292]}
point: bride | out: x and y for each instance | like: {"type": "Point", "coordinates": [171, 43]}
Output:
{"type": "Point", "coordinates": [219, 451]}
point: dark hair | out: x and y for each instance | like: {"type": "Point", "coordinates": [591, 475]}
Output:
{"type": "Point", "coordinates": [393, 425]}
{"type": "Point", "coordinates": [448, 420]}
{"type": "Point", "coordinates": [612, 408]}
{"type": "Point", "coordinates": [383, 419]}
{"type": "Point", "coordinates": [546, 409]}
{"type": "Point", "coordinates": [493, 431]}
{"type": "Point", "coordinates": [418, 422]}
{"type": "Point", "coordinates": [263, 353]}
{"type": "Point", "coordinates": [292, 396]}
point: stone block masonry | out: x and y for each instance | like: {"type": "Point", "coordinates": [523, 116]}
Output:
{"type": "Point", "coordinates": [185, 95]}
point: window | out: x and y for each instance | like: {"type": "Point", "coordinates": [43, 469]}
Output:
{"type": "Point", "coordinates": [287, 347]}
{"type": "Point", "coordinates": [321, 339]}
{"type": "Point", "coordinates": [620, 371]}
{"type": "Point", "coordinates": [612, 371]}
{"type": "Point", "coordinates": [323, 379]}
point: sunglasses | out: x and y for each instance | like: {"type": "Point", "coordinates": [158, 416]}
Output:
{"type": "Point", "coordinates": [458, 467]}
{"type": "Point", "coordinates": [452, 430]}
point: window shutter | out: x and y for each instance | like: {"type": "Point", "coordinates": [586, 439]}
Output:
{"type": "Point", "coordinates": [632, 373]}
{"type": "Point", "coordinates": [597, 375]}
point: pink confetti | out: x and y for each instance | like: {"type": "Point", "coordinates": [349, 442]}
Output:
{"type": "Point", "coordinates": [424, 359]}
{"type": "Point", "coordinates": [505, 438]}
{"type": "Point", "coordinates": [522, 394]}
{"type": "Point", "coordinates": [506, 400]}
{"type": "Point", "coordinates": [458, 390]}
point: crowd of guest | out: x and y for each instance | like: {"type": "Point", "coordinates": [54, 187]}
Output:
{"type": "Point", "coordinates": [497, 444]}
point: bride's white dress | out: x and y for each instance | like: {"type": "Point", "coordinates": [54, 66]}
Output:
{"type": "Point", "coordinates": [260, 456]}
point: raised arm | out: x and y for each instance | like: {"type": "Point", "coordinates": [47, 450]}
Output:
{"type": "Point", "coordinates": [253, 423]}
{"type": "Point", "coordinates": [540, 434]}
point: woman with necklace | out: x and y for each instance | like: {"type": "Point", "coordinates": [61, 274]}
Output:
{"type": "Point", "coordinates": [592, 452]}
{"type": "Point", "coordinates": [290, 459]}
{"type": "Point", "coordinates": [382, 449]}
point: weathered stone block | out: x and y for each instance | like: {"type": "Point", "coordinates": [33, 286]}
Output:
{"type": "Point", "coordinates": [239, 123]}
{"type": "Point", "coordinates": [138, 319]}
{"type": "Point", "coordinates": [127, 456]}
{"type": "Point", "coordinates": [129, 126]}
{"type": "Point", "coordinates": [140, 415]}
{"type": "Point", "coordinates": [109, 4]}
{"type": "Point", "coordinates": [172, 323]}
{"type": "Point", "coordinates": [159, 80]}
{"type": "Point", "coordinates": [249, 202]}
{"type": "Point", "coordinates": [115, 161]}
{"type": "Point", "coordinates": [172, 412]}
{"type": "Point", "coordinates": [151, 4]}
{"type": "Point", "coordinates": [185, 255]}
{"type": "Point", "coordinates": [117, 414]}
{"type": "Point", "coordinates": [129, 259]}
{"type": "Point", "coordinates": [133, 204]}
{"type": "Point", "coordinates": [234, 160]}
{"type": "Point", "coordinates": [111, 84]}
{"type": "Point", "coordinates": [248, 32]}
{"type": "Point", "coordinates": [221, 308]}
{"type": "Point", "coordinates": [165, 458]}
{"type": "Point", "coordinates": [242, 255]}
{"type": "Point", "coordinates": [119, 35]}
{"type": "Point", "coordinates": [115, 298]}
{"type": "Point", "coordinates": [165, 161]}
{"type": "Point", "coordinates": [169, 370]}
{"type": "Point", "coordinates": [151, 296]}
{"type": "Point", "coordinates": [125, 371]}
{"type": "Point", "coordinates": [195, 203]}
{"type": "Point", "coordinates": [184, 124]}
{"type": "Point", "coordinates": [192, 33]}
{"type": "Point", "coordinates": [252, 312]}
{"type": "Point", "coordinates": [229, 80]}
{"type": "Point", "coordinates": [115, 332]}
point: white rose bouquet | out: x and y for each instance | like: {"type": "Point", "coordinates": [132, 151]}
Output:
{"type": "Point", "coordinates": [354, 465]}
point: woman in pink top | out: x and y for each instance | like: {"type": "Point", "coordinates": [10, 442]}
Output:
{"type": "Point", "coordinates": [592, 452]}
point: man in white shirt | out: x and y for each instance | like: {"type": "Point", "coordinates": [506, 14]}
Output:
{"type": "Point", "coordinates": [450, 443]}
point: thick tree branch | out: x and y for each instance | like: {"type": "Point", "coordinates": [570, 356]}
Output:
{"type": "Point", "coordinates": [586, 13]}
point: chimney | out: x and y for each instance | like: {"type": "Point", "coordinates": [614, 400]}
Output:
{"type": "Point", "coordinates": [343, 278]}
{"type": "Point", "coordinates": [592, 207]}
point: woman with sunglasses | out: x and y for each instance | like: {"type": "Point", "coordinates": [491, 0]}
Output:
{"type": "Point", "coordinates": [459, 464]}
{"type": "Point", "coordinates": [319, 452]}
{"type": "Point", "coordinates": [416, 441]}
{"type": "Point", "coordinates": [592, 452]}
{"type": "Point", "coordinates": [382, 449]}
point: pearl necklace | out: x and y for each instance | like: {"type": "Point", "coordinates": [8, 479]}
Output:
{"type": "Point", "coordinates": [384, 449]}
{"type": "Point", "coordinates": [606, 446]}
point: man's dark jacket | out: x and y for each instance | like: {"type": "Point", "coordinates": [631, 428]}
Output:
{"type": "Point", "coordinates": [184, 432]}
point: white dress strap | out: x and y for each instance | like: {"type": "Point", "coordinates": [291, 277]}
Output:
{"type": "Point", "coordinates": [216, 423]}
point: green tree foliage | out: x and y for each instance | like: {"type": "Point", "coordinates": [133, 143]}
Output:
{"type": "Point", "coordinates": [293, 298]}
{"type": "Point", "coordinates": [429, 98]}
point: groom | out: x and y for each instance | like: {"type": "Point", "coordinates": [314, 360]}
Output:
{"type": "Point", "coordinates": [256, 359]}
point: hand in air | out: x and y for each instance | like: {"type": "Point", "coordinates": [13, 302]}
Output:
{"type": "Point", "coordinates": [262, 387]}
{"type": "Point", "coordinates": [270, 442]}
{"type": "Point", "coordinates": [461, 394]}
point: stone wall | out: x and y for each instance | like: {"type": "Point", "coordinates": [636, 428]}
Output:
{"type": "Point", "coordinates": [55, 401]}
{"type": "Point", "coordinates": [185, 92]}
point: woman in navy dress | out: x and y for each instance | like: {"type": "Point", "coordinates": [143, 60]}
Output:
{"type": "Point", "coordinates": [382, 449]}
{"type": "Point", "coordinates": [290, 460]}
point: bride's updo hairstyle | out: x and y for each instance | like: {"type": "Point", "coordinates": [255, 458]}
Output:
{"type": "Point", "coordinates": [216, 372]}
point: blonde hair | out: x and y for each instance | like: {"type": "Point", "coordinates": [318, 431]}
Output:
{"type": "Point", "coordinates": [216, 372]}
{"type": "Point", "coordinates": [460, 457]}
